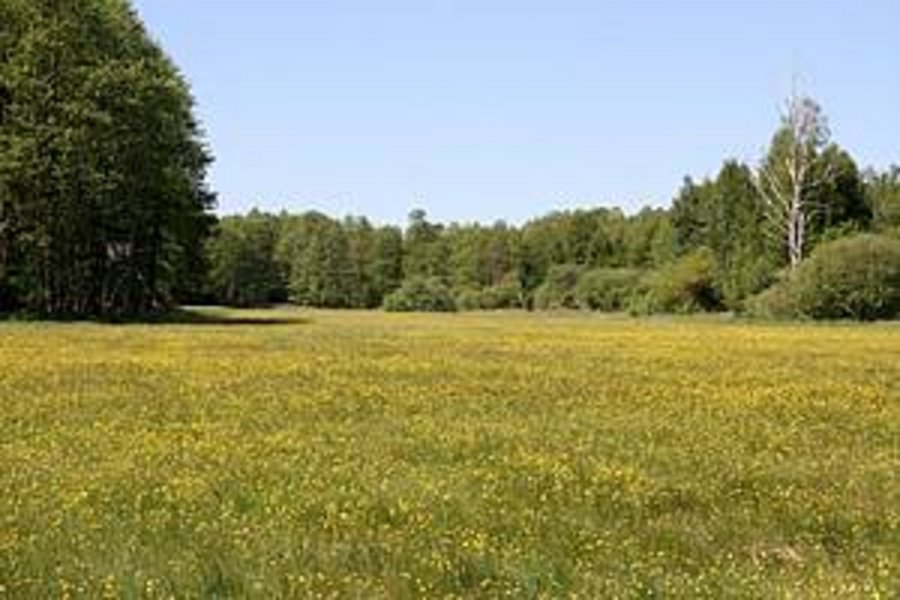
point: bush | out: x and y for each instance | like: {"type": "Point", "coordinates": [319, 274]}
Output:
{"type": "Point", "coordinates": [684, 286]}
{"type": "Point", "coordinates": [558, 289]}
{"type": "Point", "coordinates": [776, 302]}
{"type": "Point", "coordinates": [468, 299]}
{"type": "Point", "coordinates": [856, 277]}
{"type": "Point", "coordinates": [606, 289]}
{"type": "Point", "coordinates": [420, 294]}
{"type": "Point", "coordinates": [506, 294]}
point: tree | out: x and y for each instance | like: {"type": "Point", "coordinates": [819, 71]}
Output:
{"type": "Point", "coordinates": [883, 198]}
{"type": "Point", "coordinates": [387, 261]}
{"type": "Point", "coordinates": [745, 260]}
{"type": "Point", "coordinates": [840, 201]}
{"type": "Point", "coordinates": [102, 166]}
{"type": "Point", "coordinates": [482, 257]}
{"type": "Point", "coordinates": [787, 177]}
{"type": "Point", "coordinates": [359, 234]}
{"type": "Point", "coordinates": [691, 214]}
{"type": "Point", "coordinates": [425, 251]}
{"type": "Point", "coordinates": [317, 250]}
{"type": "Point", "coordinates": [648, 240]}
{"type": "Point", "coordinates": [244, 270]}
{"type": "Point", "coordinates": [726, 216]}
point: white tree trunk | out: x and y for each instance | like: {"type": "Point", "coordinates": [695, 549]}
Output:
{"type": "Point", "coordinates": [785, 186]}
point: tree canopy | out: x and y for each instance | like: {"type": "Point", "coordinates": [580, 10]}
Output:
{"type": "Point", "coordinates": [103, 206]}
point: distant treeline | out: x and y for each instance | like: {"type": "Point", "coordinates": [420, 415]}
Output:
{"type": "Point", "coordinates": [716, 248]}
{"type": "Point", "coordinates": [104, 212]}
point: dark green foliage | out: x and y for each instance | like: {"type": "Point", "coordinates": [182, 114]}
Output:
{"type": "Point", "coordinates": [350, 263]}
{"type": "Point", "coordinates": [685, 286]}
{"type": "Point", "coordinates": [506, 294]}
{"type": "Point", "coordinates": [856, 277]}
{"type": "Point", "coordinates": [361, 242]}
{"type": "Point", "coordinates": [243, 267]}
{"type": "Point", "coordinates": [778, 301]}
{"type": "Point", "coordinates": [711, 251]}
{"type": "Point", "coordinates": [691, 210]}
{"type": "Point", "coordinates": [726, 215]}
{"type": "Point", "coordinates": [482, 257]}
{"type": "Point", "coordinates": [841, 203]}
{"type": "Point", "coordinates": [648, 239]}
{"type": "Point", "coordinates": [593, 239]}
{"type": "Point", "coordinates": [425, 294]}
{"type": "Point", "coordinates": [426, 251]}
{"type": "Point", "coordinates": [736, 233]}
{"type": "Point", "coordinates": [558, 289]}
{"type": "Point", "coordinates": [339, 264]}
{"type": "Point", "coordinates": [102, 200]}
{"type": "Point", "coordinates": [316, 249]}
{"type": "Point", "coordinates": [607, 290]}
{"type": "Point", "coordinates": [387, 262]}
{"type": "Point", "coordinates": [883, 198]}
{"type": "Point", "coordinates": [610, 262]}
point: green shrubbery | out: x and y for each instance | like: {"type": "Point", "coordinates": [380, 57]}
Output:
{"type": "Point", "coordinates": [684, 286]}
{"type": "Point", "coordinates": [506, 294]}
{"type": "Point", "coordinates": [421, 294]}
{"type": "Point", "coordinates": [558, 289]}
{"type": "Point", "coordinates": [607, 290]}
{"type": "Point", "coordinates": [850, 278]}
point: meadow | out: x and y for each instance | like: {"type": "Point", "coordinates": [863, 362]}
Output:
{"type": "Point", "coordinates": [362, 454]}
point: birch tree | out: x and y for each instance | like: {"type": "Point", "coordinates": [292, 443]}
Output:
{"type": "Point", "coordinates": [787, 177]}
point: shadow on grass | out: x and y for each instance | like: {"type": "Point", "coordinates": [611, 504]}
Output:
{"type": "Point", "coordinates": [180, 316]}
{"type": "Point", "coordinates": [223, 317]}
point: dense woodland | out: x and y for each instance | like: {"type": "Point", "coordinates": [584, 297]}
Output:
{"type": "Point", "coordinates": [714, 249]}
{"type": "Point", "coordinates": [103, 206]}
{"type": "Point", "coordinates": [804, 233]}
{"type": "Point", "coordinates": [104, 212]}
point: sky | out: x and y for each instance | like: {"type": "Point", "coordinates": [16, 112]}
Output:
{"type": "Point", "coordinates": [478, 110]}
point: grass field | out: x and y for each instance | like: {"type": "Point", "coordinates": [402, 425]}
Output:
{"type": "Point", "coordinates": [373, 455]}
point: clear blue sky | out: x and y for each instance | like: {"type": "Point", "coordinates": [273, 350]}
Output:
{"type": "Point", "coordinates": [486, 109]}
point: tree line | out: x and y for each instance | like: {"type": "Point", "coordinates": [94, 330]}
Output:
{"type": "Point", "coordinates": [104, 212]}
{"type": "Point", "coordinates": [723, 242]}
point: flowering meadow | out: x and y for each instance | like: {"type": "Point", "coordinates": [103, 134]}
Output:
{"type": "Point", "coordinates": [365, 455]}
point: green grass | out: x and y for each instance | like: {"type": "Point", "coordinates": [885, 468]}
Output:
{"type": "Point", "coordinates": [295, 454]}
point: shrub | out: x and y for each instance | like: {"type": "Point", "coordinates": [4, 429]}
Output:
{"type": "Point", "coordinates": [606, 289]}
{"type": "Point", "coordinates": [749, 273]}
{"type": "Point", "coordinates": [420, 294]}
{"type": "Point", "coordinates": [777, 302]}
{"type": "Point", "coordinates": [684, 286]}
{"type": "Point", "coordinates": [506, 294]}
{"type": "Point", "coordinates": [468, 299]}
{"type": "Point", "coordinates": [856, 277]}
{"type": "Point", "coordinates": [558, 289]}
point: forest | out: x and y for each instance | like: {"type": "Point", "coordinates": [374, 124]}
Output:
{"type": "Point", "coordinates": [105, 212]}
{"type": "Point", "coordinates": [716, 248]}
